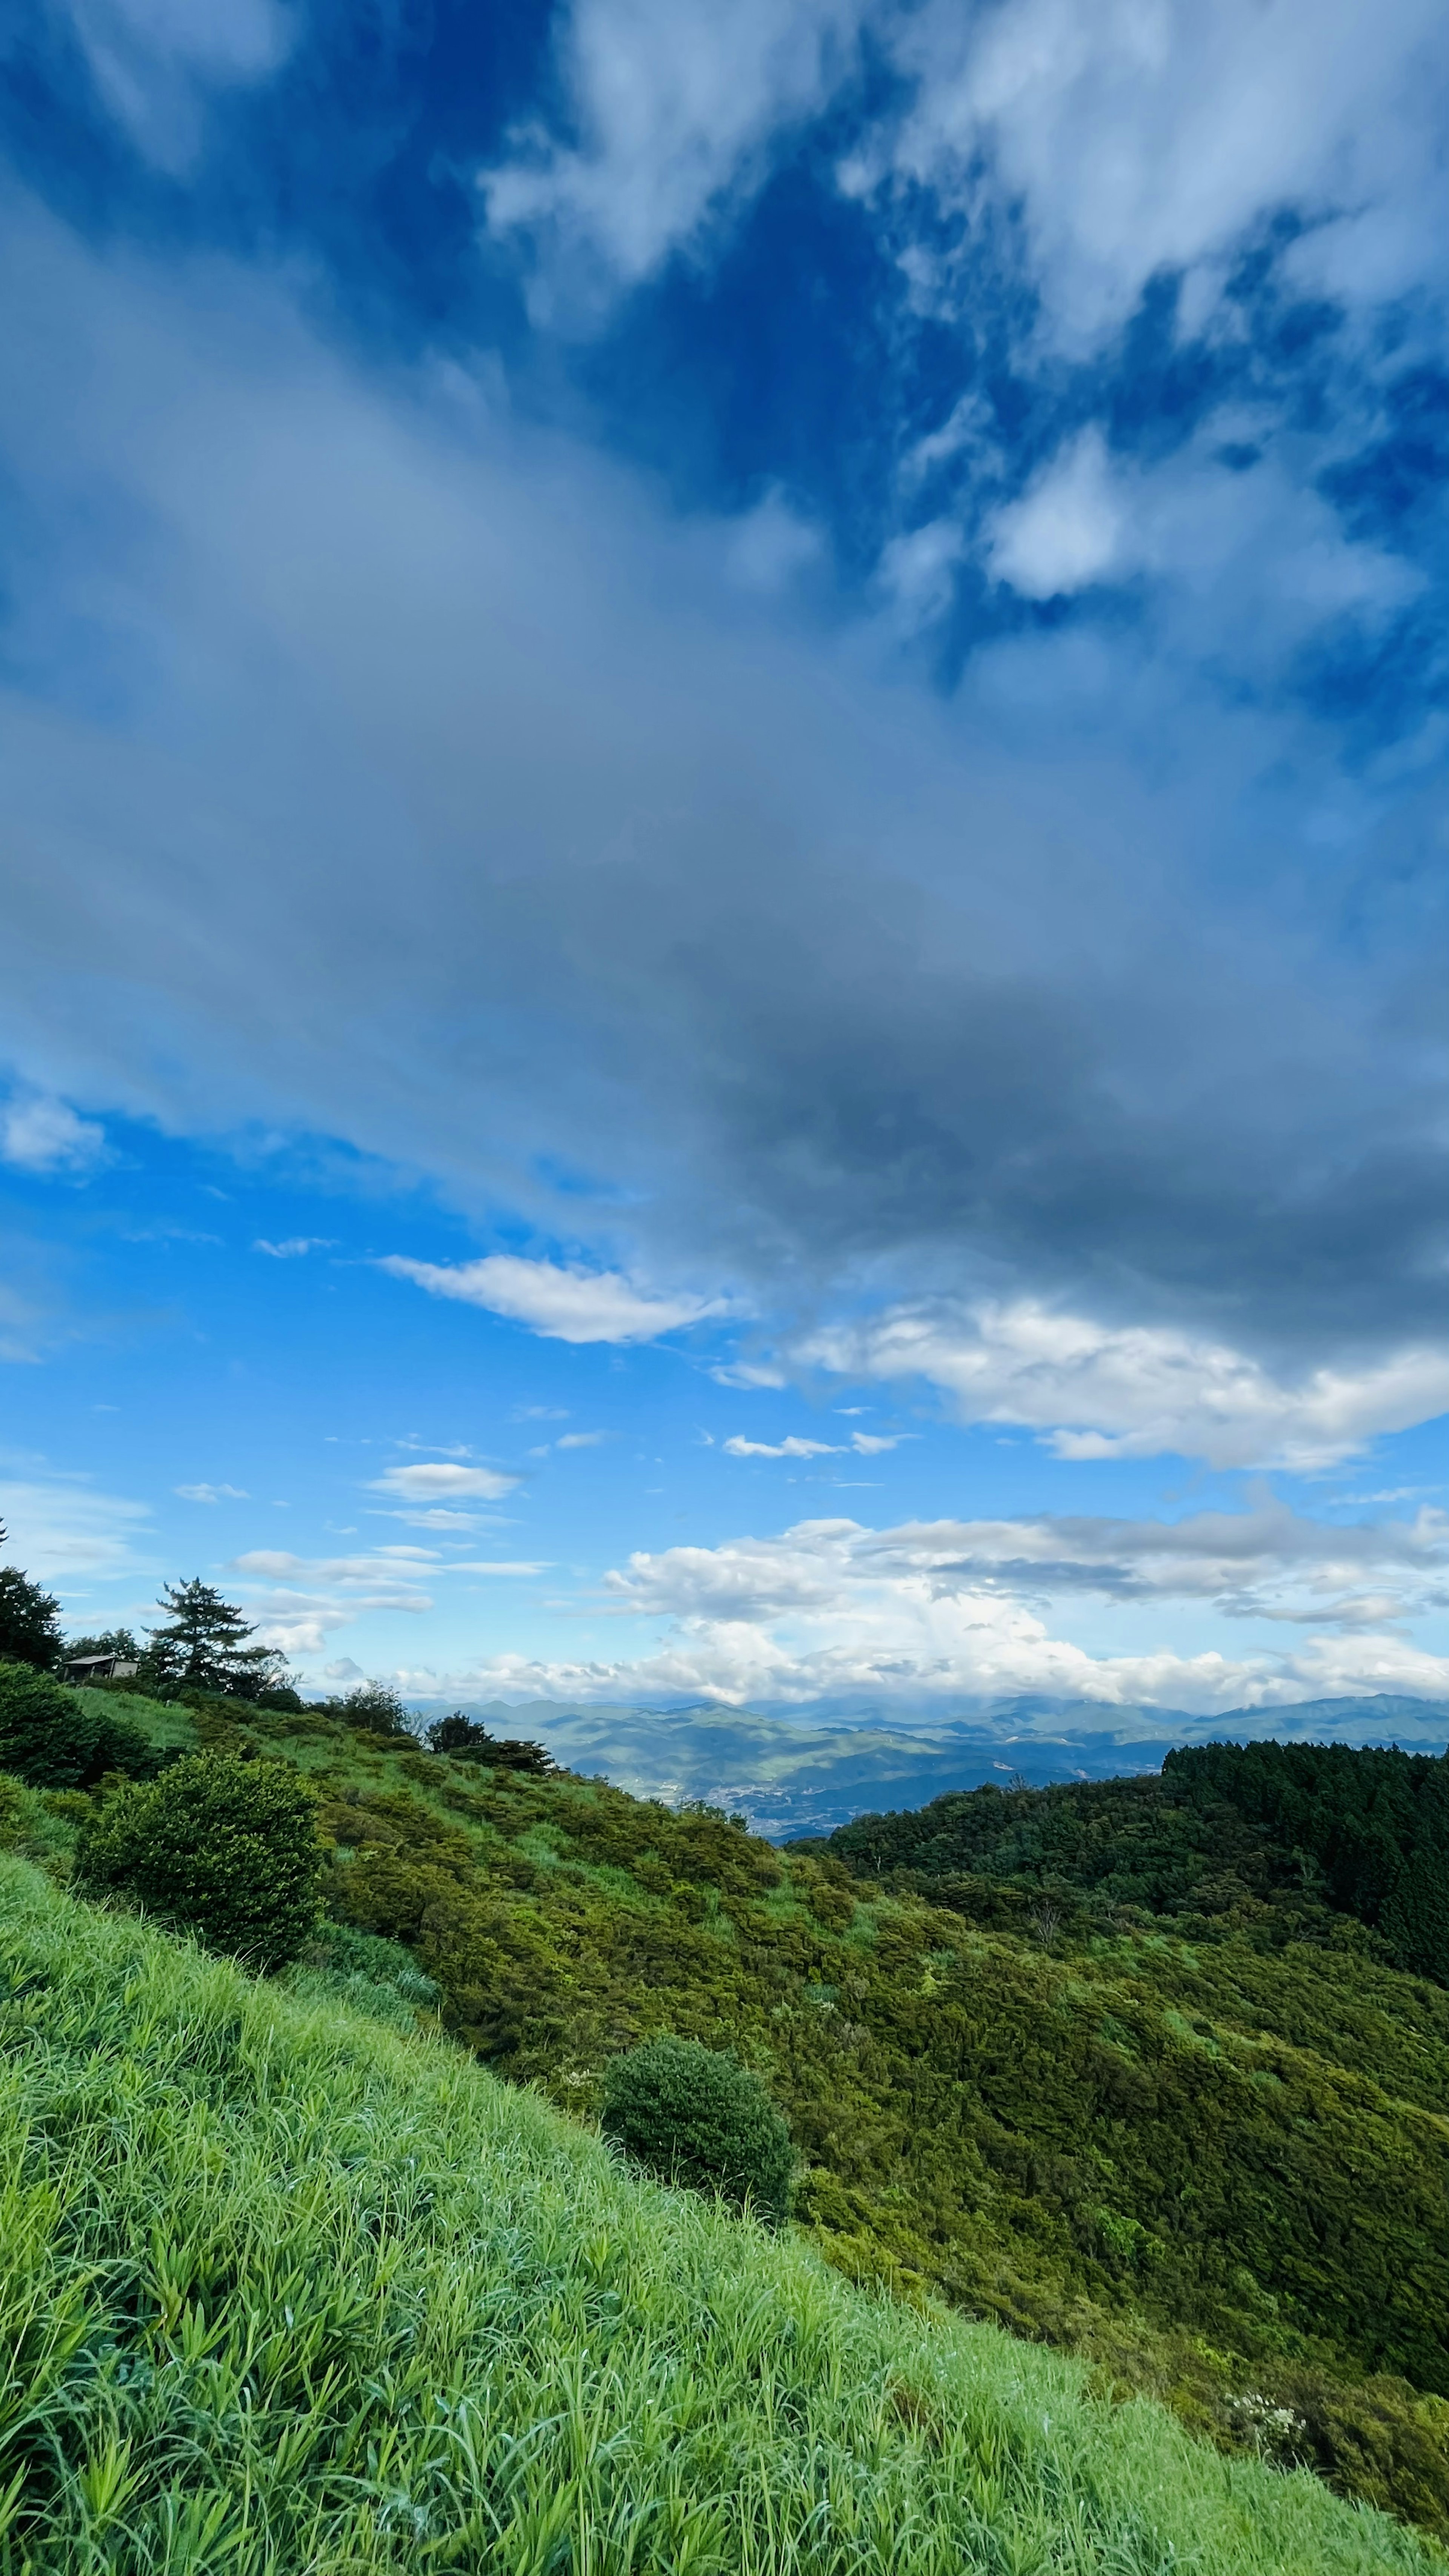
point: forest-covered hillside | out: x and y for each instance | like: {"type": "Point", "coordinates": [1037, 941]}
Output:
{"type": "Point", "coordinates": [1267, 1840]}
{"type": "Point", "coordinates": [1207, 2151]}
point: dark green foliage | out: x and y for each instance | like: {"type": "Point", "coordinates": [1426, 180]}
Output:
{"type": "Point", "coordinates": [467, 1741]}
{"type": "Point", "coordinates": [55, 1738]}
{"type": "Point", "coordinates": [1269, 1839]}
{"type": "Point", "coordinates": [29, 1620]}
{"type": "Point", "coordinates": [696, 2117]}
{"type": "Point", "coordinates": [222, 1848]}
{"type": "Point", "coordinates": [203, 1646]}
{"type": "Point", "coordinates": [1373, 1824]}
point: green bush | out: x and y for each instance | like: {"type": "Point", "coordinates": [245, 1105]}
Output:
{"type": "Point", "coordinates": [226, 1849]}
{"type": "Point", "coordinates": [695, 2116]}
{"type": "Point", "coordinates": [52, 1739]}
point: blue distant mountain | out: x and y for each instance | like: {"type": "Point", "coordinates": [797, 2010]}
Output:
{"type": "Point", "coordinates": [817, 1769]}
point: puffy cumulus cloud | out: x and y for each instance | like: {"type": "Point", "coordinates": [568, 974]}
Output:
{"type": "Point", "coordinates": [59, 1526]}
{"type": "Point", "coordinates": [950, 1609]}
{"type": "Point", "coordinates": [38, 1134]}
{"type": "Point", "coordinates": [1132, 136]}
{"type": "Point", "coordinates": [563, 1304]}
{"type": "Point", "coordinates": [824, 977]}
{"type": "Point", "coordinates": [676, 104]}
{"type": "Point", "coordinates": [211, 1493]}
{"type": "Point", "coordinates": [1099, 1391]}
{"type": "Point", "coordinates": [443, 1480]}
{"type": "Point", "coordinates": [155, 61]}
{"type": "Point", "coordinates": [1248, 562]}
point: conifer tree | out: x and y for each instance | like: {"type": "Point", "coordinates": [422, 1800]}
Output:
{"type": "Point", "coordinates": [204, 1645]}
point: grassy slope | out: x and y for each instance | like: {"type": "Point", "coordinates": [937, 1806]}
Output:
{"type": "Point", "coordinates": [289, 2292]}
{"type": "Point", "coordinates": [1215, 2171]}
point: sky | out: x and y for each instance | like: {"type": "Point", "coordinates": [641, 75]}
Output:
{"type": "Point", "coordinates": [725, 838]}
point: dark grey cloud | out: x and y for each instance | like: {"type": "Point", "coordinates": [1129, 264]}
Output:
{"type": "Point", "coordinates": [376, 767]}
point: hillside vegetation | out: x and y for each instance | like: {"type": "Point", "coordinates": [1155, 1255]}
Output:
{"type": "Point", "coordinates": [1206, 2152]}
{"type": "Point", "coordinates": [286, 2291]}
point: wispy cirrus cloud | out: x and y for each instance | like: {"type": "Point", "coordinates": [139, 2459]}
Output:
{"type": "Point", "coordinates": [61, 1527]}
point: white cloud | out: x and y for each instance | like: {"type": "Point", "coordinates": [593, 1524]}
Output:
{"type": "Point", "coordinates": [58, 1527]}
{"type": "Point", "coordinates": [1233, 548]}
{"type": "Point", "coordinates": [154, 60]}
{"type": "Point", "coordinates": [1067, 530]}
{"type": "Point", "coordinates": [563, 1304]}
{"type": "Point", "coordinates": [347, 1572]}
{"type": "Point", "coordinates": [297, 1602]}
{"type": "Point", "coordinates": [865, 1444]}
{"type": "Point", "coordinates": [433, 1520]}
{"type": "Point", "coordinates": [211, 1493]}
{"type": "Point", "coordinates": [442, 1480]}
{"type": "Point", "coordinates": [770, 546]}
{"type": "Point", "coordinates": [676, 103]}
{"type": "Point", "coordinates": [295, 1246]}
{"type": "Point", "coordinates": [1136, 135]}
{"type": "Point", "coordinates": [739, 1447]}
{"type": "Point", "coordinates": [38, 1134]}
{"type": "Point", "coordinates": [1102, 1391]}
{"type": "Point", "coordinates": [948, 1609]}
{"type": "Point", "coordinates": [496, 1565]}
{"type": "Point", "coordinates": [917, 572]}
{"type": "Point", "coordinates": [581, 1440]}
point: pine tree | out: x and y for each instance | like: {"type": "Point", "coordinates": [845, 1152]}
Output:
{"type": "Point", "coordinates": [204, 1646]}
{"type": "Point", "coordinates": [29, 1620]}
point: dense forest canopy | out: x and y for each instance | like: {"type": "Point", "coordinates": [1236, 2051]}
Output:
{"type": "Point", "coordinates": [1267, 1837]}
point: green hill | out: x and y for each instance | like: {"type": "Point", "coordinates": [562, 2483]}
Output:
{"type": "Point", "coordinates": [285, 2291]}
{"type": "Point", "coordinates": [1205, 2152]}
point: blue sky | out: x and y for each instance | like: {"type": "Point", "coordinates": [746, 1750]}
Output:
{"type": "Point", "coordinates": [724, 755]}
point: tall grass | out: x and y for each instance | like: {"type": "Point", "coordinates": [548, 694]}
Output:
{"type": "Point", "coordinates": [286, 2291]}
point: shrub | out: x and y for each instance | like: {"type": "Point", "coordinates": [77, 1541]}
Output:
{"type": "Point", "coordinates": [375, 1707]}
{"type": "Point", "coordinates": [226, 1849]}
{"type": "Point", "coordinates": [695, 2116]}
{"type": "Point", "coordinates": [53, 1739]}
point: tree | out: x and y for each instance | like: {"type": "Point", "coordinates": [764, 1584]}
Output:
{"type": "Point", "coordinates": [467, 1741]}
{"type": "Point", "coordinates": [225, 1849]}
{"type": "Point", "coordinates": [695, 2116]}
{"type": "Point", "coordinates": [29, 1620]}
{"type": "Point", "coordinates": [204, 1646]}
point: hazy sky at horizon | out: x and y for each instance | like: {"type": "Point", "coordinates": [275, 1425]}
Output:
{"type": "Point", "coordinates": [724, 754]}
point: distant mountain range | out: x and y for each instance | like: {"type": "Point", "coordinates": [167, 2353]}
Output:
{"type": "Point", "coordinates": [815, 1770]}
